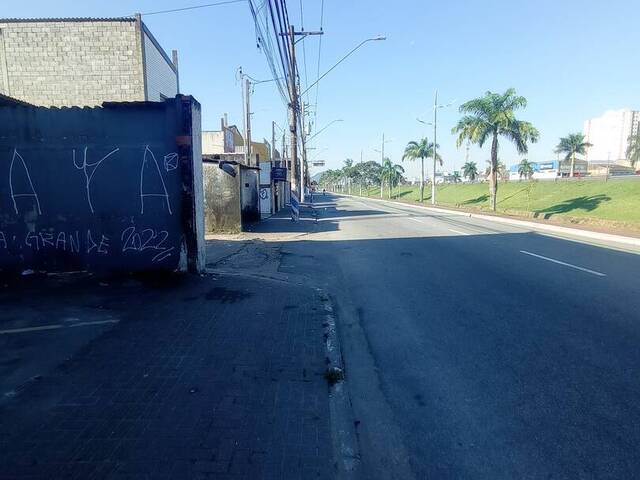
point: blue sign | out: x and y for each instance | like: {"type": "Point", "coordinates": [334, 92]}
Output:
{"type": "Point", "coordinates": [279, 174]}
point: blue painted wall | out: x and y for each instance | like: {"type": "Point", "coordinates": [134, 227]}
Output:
{"type": "Point", "coordinates": [91, 188]}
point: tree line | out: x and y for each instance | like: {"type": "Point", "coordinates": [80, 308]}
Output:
{"type": "Point", "coordinates": [485, 120]}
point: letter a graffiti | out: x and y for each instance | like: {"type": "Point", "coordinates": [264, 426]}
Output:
{"type": "Point", "coordinates": [20, 183]}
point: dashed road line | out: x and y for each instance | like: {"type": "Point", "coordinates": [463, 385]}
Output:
{"type": "Point", "coordinates": [553, 260]}
{"type": "Point", "coordinates": [54, 327]}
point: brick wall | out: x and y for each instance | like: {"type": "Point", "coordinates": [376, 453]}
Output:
{"type": "Point", "coordinates": [63, 63]}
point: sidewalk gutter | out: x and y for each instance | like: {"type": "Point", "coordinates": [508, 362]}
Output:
{"type": "Point", "coordinates": [345, 440]}
{"type": "Point", "coordinates": [574, 232]}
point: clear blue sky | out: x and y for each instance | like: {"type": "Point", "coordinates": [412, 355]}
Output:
{"type": "Point", "coordinates": [572, 59]}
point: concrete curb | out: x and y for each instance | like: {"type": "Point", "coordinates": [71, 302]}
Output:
{"type": "Point", "coordinates": [575, 232]}
{"type": "Point", "coordinates": [345, 440]}
{"type": "Point", "coordinates": [346, 449]}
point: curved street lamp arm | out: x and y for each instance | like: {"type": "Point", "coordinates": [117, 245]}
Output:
{"type": "Point", "coordinates": [323, 129]}
{"type": "Point", "coordinates": [340, 61]}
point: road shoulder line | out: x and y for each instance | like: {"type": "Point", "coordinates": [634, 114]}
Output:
{"type": "Point", "coordinates": [606, 237]}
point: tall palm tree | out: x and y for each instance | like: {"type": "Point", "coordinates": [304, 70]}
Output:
{"type": "Point", "coordinates": [392, 173]}
{"type": "Point", "coordinates": [421, 149]}
{"type": "Point", "coordinates": [490, 117]}
{"type": "Point", "coordinates": [525, 169]}
{"type": "Point", "coordinates": [571, 145]}
{"type": "Point", "coordinates": [470, 171]}
{"type": "Point", "coordinates": [633, 150]}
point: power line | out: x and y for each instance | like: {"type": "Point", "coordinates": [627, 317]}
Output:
{"type": "Point", "coordinates": [225, 2]}
{"type": "Point", "coordinates": [304, 49]}
{"type": "Point", "coordinates": [265, 42]}
{"type": "Point", "coordinates": [315, 112]}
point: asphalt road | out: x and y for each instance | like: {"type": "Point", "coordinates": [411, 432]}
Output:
{"type": "Point", "coordinates": [478, 350]}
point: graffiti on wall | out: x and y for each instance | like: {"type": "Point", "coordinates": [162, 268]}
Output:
{"type": "Point", "coordinates": [122, 206]}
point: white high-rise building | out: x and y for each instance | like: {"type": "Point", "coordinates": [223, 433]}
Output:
{"type": "Point", "coordinates": [610, 134]}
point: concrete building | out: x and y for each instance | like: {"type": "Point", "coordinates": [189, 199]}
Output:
{"type": "Point", "coordinates": [610, 134]}
{"type": "Point", "coordinates": [228, 144]}
{"type": "Point", "coordinates": [84, 62]}
{"type": "Point", "coordinates": [551, 170]}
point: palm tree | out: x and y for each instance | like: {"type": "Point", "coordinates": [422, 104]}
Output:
{"type": "Point", "coordinates": [633, 150]}
{"type": "Point", "coordinates": [490, 117]}
{"type": "Point", "coordinates": [456, 177]}
{"type": "Point", "coordinates": [525, 169]}
{"type": "Point", "coordinates": [470, 171]}
{"type": "Point", "coordinates": [392, 173]}
{"type": "Point", "coordinates": [421, 149]}
{"type": "Point", "coordinates": [571, 145]}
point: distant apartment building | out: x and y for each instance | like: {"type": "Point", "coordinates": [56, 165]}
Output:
{"type": "Point", "coordinates": [609, 135]}
{"type": "Point", "coordinates": [84, 61]}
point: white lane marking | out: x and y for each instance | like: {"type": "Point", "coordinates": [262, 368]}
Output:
{"type": "Point", "coordinates": [31, 329]}
{"type": "Point", "coordinates": [54, 327]}
{"type": "Point", "coordinates": [593, 272]}
{"type": "Point", "coordinates": [97, 322]}
{"type": "Point", "coordinates": [458, 231]}
{"type": "Point", "coordinates": [415, 220]}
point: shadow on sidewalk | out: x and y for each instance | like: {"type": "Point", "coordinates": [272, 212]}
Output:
{"type": "Point", "coordinates": [212, 375]}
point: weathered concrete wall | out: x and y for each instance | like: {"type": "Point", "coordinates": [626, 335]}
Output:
{"type": "Point", "coordinates": [249, 198]}
{"type": "Point", "coordinates": [97, 188]}
{"type": "Point", "coordinates": [222, 199]}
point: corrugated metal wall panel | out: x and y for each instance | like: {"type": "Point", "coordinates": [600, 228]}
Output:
{"type": "Point", "coordinates": [161, 79]}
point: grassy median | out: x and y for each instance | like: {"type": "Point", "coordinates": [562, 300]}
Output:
{"type": "Point", "coordinates": [614, 203]}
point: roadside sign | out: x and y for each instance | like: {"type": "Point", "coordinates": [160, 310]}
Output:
{"type": "Point", "coordinates": [279, 174]}
{"type": "Point", "coordinates": [295, 207]}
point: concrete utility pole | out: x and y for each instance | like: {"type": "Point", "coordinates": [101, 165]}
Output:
{"type": "Point", "coordinates": [248, 133]}
{"type": "Point", "coordinates": [303, 160]}
{"type": "Point", "coordinates": [435, 155]}
{"type": "Point", "coordinates": [293, 106]}
{"type": "Point", "coordinates": [244, 118]}
{"type": "Point", "coordinates": [283, 154]}
{"type": "Point", "coordinates": [273, 142]}
{"type": "Point", "coordinates": [293, 112]}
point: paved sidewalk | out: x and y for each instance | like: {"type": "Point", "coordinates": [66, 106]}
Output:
{"type": "Point", "coordinates": [211, 377]}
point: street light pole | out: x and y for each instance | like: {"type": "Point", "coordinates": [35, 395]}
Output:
{"type": "Point", "coordinates": [435, 139]}
{"type": "Point", "coordinates": [435, 147]}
